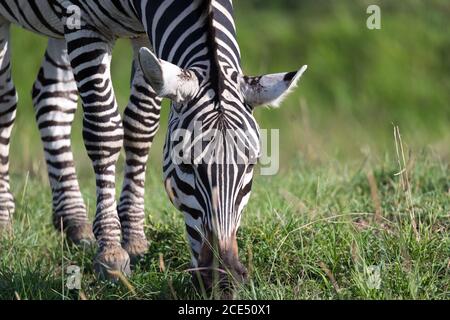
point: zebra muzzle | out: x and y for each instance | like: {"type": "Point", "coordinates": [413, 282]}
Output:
{"type": "Point", "coordinates": [220, 268]}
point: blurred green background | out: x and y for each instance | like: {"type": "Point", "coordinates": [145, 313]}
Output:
{"type": "Point", "coordinates": [359, 83]}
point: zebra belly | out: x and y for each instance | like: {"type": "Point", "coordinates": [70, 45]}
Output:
{"type": "Point", "coordinates": [113, 18]}
{"type": "Point", "coordinates": [38, 16]}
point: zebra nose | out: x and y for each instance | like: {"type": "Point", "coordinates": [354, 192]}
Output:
{"type": "Point", "coordinates": [219, 267]}
{"type": "Point", "coordinates": [222, 282]}
{"type": "Point", "coordinates": [234, 268]}
{"type": "Point", "coordinates": [224, 273]}
{"type": "Point", "coordinates": [242, 272]}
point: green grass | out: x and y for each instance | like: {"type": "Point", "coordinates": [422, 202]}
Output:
{"type": "Point", "coordinates": [312, 223]}
{"type": "Point", "coordinates": [358, 84]}
{"type": "Point", "coordinates": [311, 234]}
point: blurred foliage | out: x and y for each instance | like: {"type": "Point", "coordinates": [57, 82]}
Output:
{"type": "Point", "coordinates": [359, 83]}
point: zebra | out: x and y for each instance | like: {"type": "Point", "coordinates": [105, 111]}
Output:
{"type": "Point", "coordinates": [185, 51]}
{"type": "Point", "coordinates": [55, 96]}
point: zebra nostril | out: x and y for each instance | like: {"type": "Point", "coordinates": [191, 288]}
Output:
{"type": "Point", "coordinates": [241, 272]}
{"type": "Point", "coordinates": [223, 277]}
{"type": "Point", "coordinates": [244, 274]}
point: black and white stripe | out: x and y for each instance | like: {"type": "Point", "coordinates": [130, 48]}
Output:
{"type": "Point", "coordinates": [8, 106]}
{"type": "Point", "coordinates": [196, 63]}
{"type": "Point", "coordinates": [55, 98]}
{"type": "Point", "coordinates": [199, 38]}
{"type": "Point", "coordinates": [78, 61]}
{"type": "Point", "coordinates": [218, 108]}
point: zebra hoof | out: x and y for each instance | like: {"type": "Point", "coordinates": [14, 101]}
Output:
{"type": "Point", "coordinates": [112, 264]}
{"type": "Point", "coordinates": [136, 248]}
{"type": "Point", "coordinates": [81, 235]}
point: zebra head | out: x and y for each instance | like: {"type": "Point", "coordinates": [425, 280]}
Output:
{"type": "Point", "coordinates": [213, 139]}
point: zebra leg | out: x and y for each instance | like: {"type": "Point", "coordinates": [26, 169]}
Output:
{"type": "Point", "coordinates": [8, 106]}
{"type": "Point", "coordinates": [55, 97]}
{"type": "Point", "coordinates": [141, 122]}
{"type": "Point", "coordinates": [90, 56]}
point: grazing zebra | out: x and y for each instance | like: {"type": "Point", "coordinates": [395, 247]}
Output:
{"type": "Point", "coordinates": [194, 61]}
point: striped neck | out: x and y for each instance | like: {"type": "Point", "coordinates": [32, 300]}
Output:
{"type": "Point", "coordinates": [196, 34]}
{"type": "Point", "coordinates": [222, 31]}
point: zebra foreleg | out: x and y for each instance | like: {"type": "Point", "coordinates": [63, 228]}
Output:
{"type": "Point", "coordinates": [8, 106]}
{"type": "Point", "coordinates": [90, 56]}
{"type": "Point", "coordinates": [141, 122]}
{"type": "Point", "coordinates": [55, 97]}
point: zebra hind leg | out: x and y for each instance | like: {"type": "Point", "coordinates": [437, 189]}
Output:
{"type": "Point", "coordinates": [55, 98]}
{"type": "Point", "coordinates": [141, 123]}
{"type": "Point", "coordinates": [8, 106]}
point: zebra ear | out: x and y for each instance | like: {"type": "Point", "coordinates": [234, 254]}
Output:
{"type": "Point", "coordinates": [270, 89]}
{"type": "Point", "coordinates": [167, 79]}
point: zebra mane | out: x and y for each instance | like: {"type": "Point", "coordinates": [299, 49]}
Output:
{"type": "Point", "coordinates": [218, 73]}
